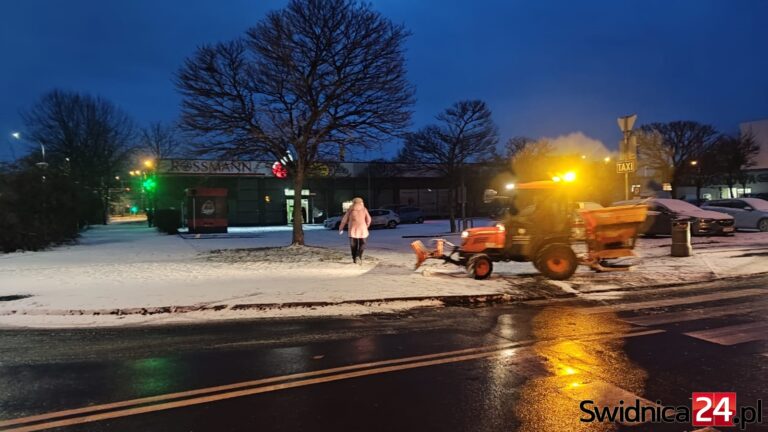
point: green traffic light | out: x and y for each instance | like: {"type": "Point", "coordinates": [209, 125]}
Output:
{"type": "Point", "coordinates": [149, 184]}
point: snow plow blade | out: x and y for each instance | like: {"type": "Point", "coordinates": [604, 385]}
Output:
{"type": "Point", "coordinates": [422, 253]}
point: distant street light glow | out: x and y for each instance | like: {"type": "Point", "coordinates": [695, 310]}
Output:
{"type": "Point", "coordinates": [16, 135]}
{"type": "Point", "coordinates": [509, 186]}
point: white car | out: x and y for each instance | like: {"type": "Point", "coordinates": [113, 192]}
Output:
{"type": "Point", "coordinates": [379, 217]}
{"type": "Point", "coordinates": [384, 218]}
{"type": "Point", "coordinates": [749, 213]}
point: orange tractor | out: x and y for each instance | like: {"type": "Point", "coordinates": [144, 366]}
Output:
{"type": "Point", "coordinates": [541, 233]}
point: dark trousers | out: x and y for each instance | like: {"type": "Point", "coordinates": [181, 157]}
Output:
{"type": "Point", "coordinates": [357, 246]}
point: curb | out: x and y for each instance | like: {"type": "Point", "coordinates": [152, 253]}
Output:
{"type": "Point", "coordinates": [450, 300]}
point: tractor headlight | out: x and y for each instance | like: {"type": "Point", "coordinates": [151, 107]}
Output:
{"type": "Point", "coordinates": [464, 234]}
{"type": "Point", "coordinates": [501, 227]}
{"type": "Point", "coordinates": [521, 231]}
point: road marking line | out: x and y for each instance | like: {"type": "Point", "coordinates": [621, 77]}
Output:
{"type": "Point", "coordinates": [732, 335]}
{"type": "Point", "coordinates": [391, 365]}
{"type": "Point", "coordinates": [673, 301]}
{"type": "Point", "coordinates": [696, 314]}
{"type": "Point", "coordinates": [251, 383]}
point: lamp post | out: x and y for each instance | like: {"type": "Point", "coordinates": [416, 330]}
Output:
{"type": "Point", "coordinates": [695, 164]}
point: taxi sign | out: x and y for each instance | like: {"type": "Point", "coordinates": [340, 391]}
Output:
{"type": "Point", "coordinates": [626, 166]}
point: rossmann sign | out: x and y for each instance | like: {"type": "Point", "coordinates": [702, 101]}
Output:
{"type": "Point", "coordinates": [214, 167]}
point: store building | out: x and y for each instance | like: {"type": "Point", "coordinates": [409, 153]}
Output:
{"type": "Point", "coordinates": [256, 196]}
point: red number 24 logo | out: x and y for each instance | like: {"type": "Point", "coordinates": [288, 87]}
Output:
{"type": "Point", "coordinates": [713, 409]}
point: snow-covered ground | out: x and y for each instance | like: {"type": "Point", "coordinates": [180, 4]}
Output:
{"type": "Point", "coordinates": [127, 273]}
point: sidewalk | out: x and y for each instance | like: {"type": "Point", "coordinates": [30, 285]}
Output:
{"type": "Point", "coordinates": [127, 273]}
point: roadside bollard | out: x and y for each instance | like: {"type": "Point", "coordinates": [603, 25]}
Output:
{"type": "Point", "coordinates": [681, 238]}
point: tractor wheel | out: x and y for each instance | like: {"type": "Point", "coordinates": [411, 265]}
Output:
{"type": "Point", "coordinates": [557, 261]}
{"type": "Point", "coordinates": [480, 267]}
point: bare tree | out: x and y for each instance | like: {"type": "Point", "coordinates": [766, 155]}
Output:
{"type": "Point", "coordinates": [733, 155]}
{"type": "Point", "coordinates": [87, 136]}
{"type": "Point", "coordinates": [310, 79]}
{"type": "Point", "coordinates": [160, 140]}
{"type": "Point", "coordinates": [465, 133]}
{"type": "Point", "coordinates": [530, 159]}
{"type": "Point", "coordinates": [669, 148]}
{"type": "Point", "coordinates": [518, 145]}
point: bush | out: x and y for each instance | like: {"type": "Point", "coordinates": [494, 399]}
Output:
{"type": "Point", "coordinates": [168, 220]}
{"type": "Point", "coordinates": [35, 213]}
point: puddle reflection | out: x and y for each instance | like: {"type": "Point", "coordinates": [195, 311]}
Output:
{"type": "Point", "coordinates": [576, 370]}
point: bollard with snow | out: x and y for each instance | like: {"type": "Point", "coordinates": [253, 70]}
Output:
{"type": "Point", "coordinates": [681, 238]}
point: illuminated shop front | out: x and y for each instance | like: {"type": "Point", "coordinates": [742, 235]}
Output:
{"type": "Point", "coordinates": [256, 196]}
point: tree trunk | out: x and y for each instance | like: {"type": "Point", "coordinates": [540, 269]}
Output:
{"type": "Point", "coordinates": [452, 207]}
{"type": "Point", "coordinates": [298, 229]}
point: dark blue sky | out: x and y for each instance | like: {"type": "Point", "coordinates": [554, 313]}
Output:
{"type": "Point", "coordinates": [546, 68]}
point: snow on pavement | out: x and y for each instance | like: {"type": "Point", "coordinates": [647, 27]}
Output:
{"type": "Point", "coordinates": [129, 266]}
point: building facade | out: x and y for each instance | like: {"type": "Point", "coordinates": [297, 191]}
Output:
{"type": "Point", "coordinates": [652, 182]}
{"type": "Point", "coordinates": [258, 196]}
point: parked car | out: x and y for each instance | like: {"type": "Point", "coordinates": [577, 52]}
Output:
{"type": "Point", "coordinates": [384, 218]}
{"type": "Point", "coordinates": [749, 213]}
{"type": "Point", "coordinates": [333, 222]}
{"type": "Point", "coordinates": [578, 231]}
{"type": "Point", "coordinates": [379, 218]}
{"type": "Point", "coordinates": [662, 211]}
{"type": "Point", "coordinates": [761, 195]}
{"type": "Point", "coordinates": [407, 214]}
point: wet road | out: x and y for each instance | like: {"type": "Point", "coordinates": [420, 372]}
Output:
{"type": "Point", "coordinates": [509, 367]}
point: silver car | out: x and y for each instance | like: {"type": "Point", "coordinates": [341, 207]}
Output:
{"type": "Point", "coordinates": [749, 213]}
{"type": "Point", "coordinates": [379, 218]}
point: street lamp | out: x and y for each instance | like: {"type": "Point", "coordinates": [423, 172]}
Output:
{"type": "Point", "coordinates": [695, 163]}
{"type": "Point", "coordinates": [17, 137]}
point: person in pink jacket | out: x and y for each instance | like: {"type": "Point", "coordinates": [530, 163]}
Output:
{"type": "Point", "coordinates": [359, 220]}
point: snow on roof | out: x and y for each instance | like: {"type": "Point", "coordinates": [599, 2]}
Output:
{"type": "Point", "coordinates": [677, 205]}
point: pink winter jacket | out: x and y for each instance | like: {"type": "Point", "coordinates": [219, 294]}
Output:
{"type": "Point", "coordinates": [359, 220]}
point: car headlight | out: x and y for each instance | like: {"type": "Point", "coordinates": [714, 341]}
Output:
{"type": "Point", "coordinates": [464, 234]}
